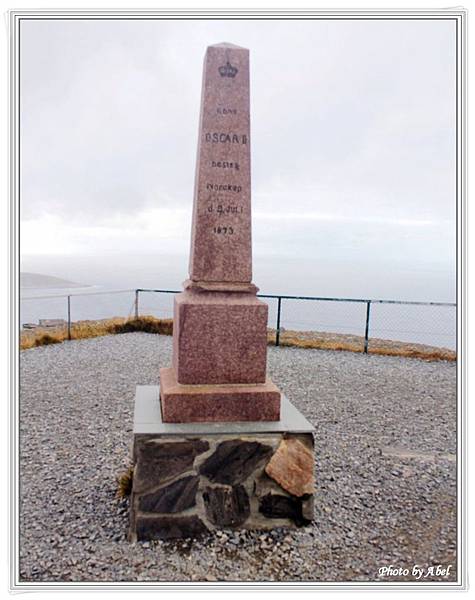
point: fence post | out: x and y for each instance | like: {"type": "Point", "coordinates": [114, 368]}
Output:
{"type": "Point", "coordinates": [366, 332]}
{"type": "Point", "coordinates": [136, 304]}
{"type": "Point", "coordinates": [69, 317]}
{"type": "Point", "coordinates": [277, 329]}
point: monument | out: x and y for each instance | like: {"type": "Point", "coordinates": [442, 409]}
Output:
{"type": "Point", "coordinates": [217, 444]}
{"type": "Point", "coordinates": [220, 327]}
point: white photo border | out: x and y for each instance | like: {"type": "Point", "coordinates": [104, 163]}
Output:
{"type": "Point", "coordinates": [15, 17]}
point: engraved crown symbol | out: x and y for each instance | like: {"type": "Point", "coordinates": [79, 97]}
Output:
{"type": "Point", "coordinates": [227, 70]}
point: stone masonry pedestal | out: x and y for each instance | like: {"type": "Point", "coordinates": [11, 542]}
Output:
{"type": "Point", "coordinates": [193, 478]}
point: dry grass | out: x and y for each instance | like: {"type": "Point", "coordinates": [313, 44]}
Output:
{"type": "Point", "coordinates": [354, 343]}
{"type": "Point", "coordinates": [80, 330]}
{"type": "Point", "coordinates": [147, 324]}
{"type": "Point", "coordinates": [124, 483]}
{"type": "Point", "coordinates": [89, 329]}
{"type": "Point", "coordinates": [298, 339]}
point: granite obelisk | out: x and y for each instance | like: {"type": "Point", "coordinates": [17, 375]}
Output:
{"type": "Point", "coordinates": [221, 232]}
{"type": "Point", "coordinates": [220, 326]}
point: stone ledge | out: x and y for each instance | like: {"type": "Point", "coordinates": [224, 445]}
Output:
{"type": "Point", "coordinates": [148, 420]}
{"type": "Point", "coordinates": [237, 287]}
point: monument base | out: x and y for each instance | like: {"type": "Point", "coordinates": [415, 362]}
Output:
{"type": "Point", "coordinates": [219, 402]}
{"type": "Point", "coordinates": [219, 337]}
{"type": "Point", "coordinates": [192, 478]}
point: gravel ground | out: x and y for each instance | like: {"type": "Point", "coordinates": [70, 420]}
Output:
{"type": "Point", "coordinates": [385, 468]}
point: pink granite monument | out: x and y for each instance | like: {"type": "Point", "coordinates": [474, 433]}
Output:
{"type": "Point", "coordinates": [218, 370]}
{"type": "Point", "coordinates": [216, 445]}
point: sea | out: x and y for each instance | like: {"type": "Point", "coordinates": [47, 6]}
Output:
{"type": "Point", "coordinates": [107, 283]}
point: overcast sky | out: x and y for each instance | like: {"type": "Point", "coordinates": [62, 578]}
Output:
{"type": "Point", "coordinates": [352, 136]}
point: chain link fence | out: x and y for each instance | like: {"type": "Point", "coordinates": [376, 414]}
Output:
{"type": "Point", "coordinates": [50, 310]}
{"type": "Point", "coordinates": [432, 324]}
{"type": "Point", "coordinates": [364, 324]}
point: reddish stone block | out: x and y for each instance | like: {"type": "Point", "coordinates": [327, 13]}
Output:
{"type": "Point", "coordinates": [219, 338]}
{"type": "Point", "coordinates": [212, 403]}
{"type": "Point", "coordinates": [292, 467]}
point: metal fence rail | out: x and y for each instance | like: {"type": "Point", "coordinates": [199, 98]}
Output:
{"type": "Point", "coordinates": [368, 324]}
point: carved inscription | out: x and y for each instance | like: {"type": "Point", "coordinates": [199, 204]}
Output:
{"type": "Point", "coordinates": [220, 205]}
{"type": "Point", "coordinates": [223, 230]}
{"type": "Point", "coordinates": [224, 164]}
{"type": "Point", "coordinates": [223, 187]}
{"type": "Point", "coordinates": [226, 138]}
{"type": "Point", "coordinates": [225, 210]}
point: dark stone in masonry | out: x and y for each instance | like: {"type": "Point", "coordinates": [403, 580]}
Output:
{"type": "Point", "coordinates": [226, 507]}
{"type": "Point", "coordinates": [308, 510]}
{"type": "Point", "coordinates": [157, 462]}
{"type": "Point", "coordinates": [234, 460]}
{"type": "Point", "coordinates": [275, 506]}
{"type": "Point", "coordinates": [172, 498]}
{"type": "Point", "coordinates": [152, 528]}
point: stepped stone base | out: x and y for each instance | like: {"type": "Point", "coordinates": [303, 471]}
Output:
{"type": "Point", "coordinates": [191, 478]}
{"type": "Point", "coordinates": [231, 402]}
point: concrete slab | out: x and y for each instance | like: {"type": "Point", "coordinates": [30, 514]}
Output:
{"type": "Point", "coordinates": [148, 419]}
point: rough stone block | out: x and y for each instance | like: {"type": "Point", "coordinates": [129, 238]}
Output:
{"type": "Point", "coordinates": [172, 498]}
{"type": "Point", "coordinates": [226, 507]}
{"type": "Point", "coordinates": [219, 338]}
{"type": "Point", "coordinates": [234, 460]}
{"type": "Point", "coordinates": [162, 527]}
{"type": "Point", "coordinates": [275, 506]}
{"type": "Point", "coordinates": [292, 467]}
{"type": "Point", "coordinates": [158, 462]}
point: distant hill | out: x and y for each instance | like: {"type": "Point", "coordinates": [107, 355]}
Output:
{"type": "Point", "coordinates": [36, 280]}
